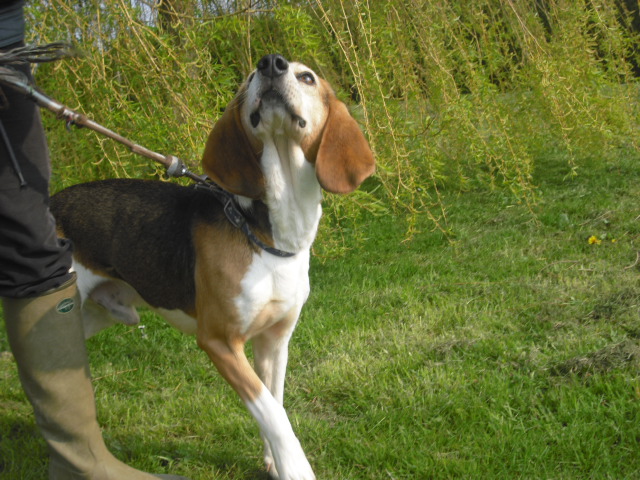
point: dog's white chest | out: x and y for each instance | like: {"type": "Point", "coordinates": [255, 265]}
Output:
{"type": "Point", "coordinates": [273, 289]}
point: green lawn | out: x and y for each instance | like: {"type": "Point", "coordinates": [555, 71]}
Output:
{"type": "Point", "coordinates": [510, 350]}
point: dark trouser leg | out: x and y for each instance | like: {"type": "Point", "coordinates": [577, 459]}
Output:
{"type": "Point", "coordinates": [32, 259]}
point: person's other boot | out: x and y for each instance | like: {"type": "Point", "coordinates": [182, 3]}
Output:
{"type": "Point", "coordinates": [47, 340]}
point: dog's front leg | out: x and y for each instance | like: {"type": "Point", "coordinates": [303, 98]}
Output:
{"type": "Point", "coordinates": [270, 352]}
{"type": "Point", "coordinates": [227, 354]}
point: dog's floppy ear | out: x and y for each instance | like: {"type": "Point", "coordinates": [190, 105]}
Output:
{"type": "Point", "coordinates": [229, 158]}
{"type": "Point", "coordinates": [344, 159]}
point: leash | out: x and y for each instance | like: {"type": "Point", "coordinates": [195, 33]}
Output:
{"type": "Point", "coordinates": [18, 81]}
{"type": "Point", "coordinates": [173, 165]}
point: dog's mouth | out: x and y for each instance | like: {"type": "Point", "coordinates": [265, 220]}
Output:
{"type": "Point", "coordinates": [273, 96]}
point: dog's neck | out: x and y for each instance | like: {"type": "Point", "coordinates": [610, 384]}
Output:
{"type": "Point", "coordinates": [293, 194]}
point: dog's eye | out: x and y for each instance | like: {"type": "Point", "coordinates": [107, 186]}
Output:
{"type": "Point", "coordinates": [307, 78]}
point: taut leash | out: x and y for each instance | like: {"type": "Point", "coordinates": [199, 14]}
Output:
{"type": "Point", "coordinates": [18, 81]}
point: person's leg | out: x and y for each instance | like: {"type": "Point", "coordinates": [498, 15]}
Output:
{"type": "Point", "coordinates": [42, 308]}
{"type": "Point", "coordinates": [32, 258]}
{"type": "Point", "coordinates": [47, 340]}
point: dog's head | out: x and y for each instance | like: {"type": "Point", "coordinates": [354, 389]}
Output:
{"type": "Point", "coordinates": [288, 99]}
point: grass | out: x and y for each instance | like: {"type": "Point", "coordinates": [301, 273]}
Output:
{"type": "Point", "coordinates": [508, 351]}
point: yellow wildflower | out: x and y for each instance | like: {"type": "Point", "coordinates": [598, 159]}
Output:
{"type": "Point", "coordinates": [593, 240]}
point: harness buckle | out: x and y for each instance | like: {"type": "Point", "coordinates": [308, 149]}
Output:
{"type": "Point", "coordinates": [233, 214]}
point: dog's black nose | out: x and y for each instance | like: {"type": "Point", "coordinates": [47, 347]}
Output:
{"type": "Point", "coordinates": [273, 65]}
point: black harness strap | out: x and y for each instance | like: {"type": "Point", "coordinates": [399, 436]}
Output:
{"type": "Point", "coordinates": [235, 216]}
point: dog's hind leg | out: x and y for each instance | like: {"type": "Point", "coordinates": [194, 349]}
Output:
{"type": "Point", "coordinates": [118, 298]}
{"type": "Point", "coordinates": [105, 301]}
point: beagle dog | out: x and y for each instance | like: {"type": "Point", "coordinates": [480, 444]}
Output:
{"type": "Point", "coordinates": [283, 139]}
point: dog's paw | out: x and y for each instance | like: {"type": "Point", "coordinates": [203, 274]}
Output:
{"type": "Point", "coordinates": [293, 466]}
{"type": "Point", "coordinates": [271, 468]}
{"type": "Point", "coordinates": [269, 463]}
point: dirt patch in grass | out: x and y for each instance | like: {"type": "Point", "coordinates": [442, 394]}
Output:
{"type": "Point", "coordinates": [612, 357]}
{"type": "Point", "coordinates": [613, 304]}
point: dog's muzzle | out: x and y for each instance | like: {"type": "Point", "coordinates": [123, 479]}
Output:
{"type": "Point", "coordinates": [270, 70]}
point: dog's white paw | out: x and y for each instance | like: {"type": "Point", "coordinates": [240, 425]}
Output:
{"type": "Point", "coordinates": [283, 454]}
{"type": "Point", "coordinates": [291, 465]}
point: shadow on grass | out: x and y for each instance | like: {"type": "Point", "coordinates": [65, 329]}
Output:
{"type": "Point", "coordinates": [23, 455]}
{"type": "Point", "coordinates": [22, 452]}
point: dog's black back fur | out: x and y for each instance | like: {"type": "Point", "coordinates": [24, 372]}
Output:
{"type": "Point", "coordinates": [141, 232]}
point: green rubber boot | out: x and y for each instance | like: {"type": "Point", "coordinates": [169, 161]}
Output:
{"type": "Point", "coordinates": [47, 340]}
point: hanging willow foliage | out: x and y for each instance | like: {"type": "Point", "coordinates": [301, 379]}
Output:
{"type": "Point", "coordinates": [452, 95]}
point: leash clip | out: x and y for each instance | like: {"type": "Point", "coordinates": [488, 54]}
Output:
{"type": "Point", "coordinates": [177, 168]}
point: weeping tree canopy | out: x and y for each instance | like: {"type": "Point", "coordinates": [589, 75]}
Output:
{"type": "Point", "coordinates": [451, 95]}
